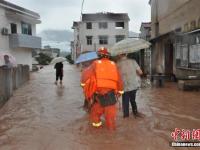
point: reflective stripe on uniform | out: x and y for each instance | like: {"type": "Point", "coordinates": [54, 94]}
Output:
{"type": "Point", "coordinates": [121, 92]}
{"type": "Point", "coordinates": [97, 124]}
{"type": "Point", "coordinates": [82, 84]}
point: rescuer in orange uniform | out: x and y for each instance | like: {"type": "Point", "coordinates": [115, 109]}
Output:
{"type": "Point", "coordinates": [103, 85]}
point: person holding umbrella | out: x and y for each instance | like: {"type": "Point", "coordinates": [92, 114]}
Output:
{"type": "Point", "coordinates": [130, 71]}
{"type": "Point", "coordinates": [59, 72]}
{"type": "Point", "coordinates": [86, 59]}
{"type": "Point", "coordinates": [59, 68]}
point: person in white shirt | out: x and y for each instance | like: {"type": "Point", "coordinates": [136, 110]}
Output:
{"type": "Point", "coordinates": [129, 70]}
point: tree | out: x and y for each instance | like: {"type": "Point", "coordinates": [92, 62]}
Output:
{"type": "Point", "coordinates": [69, 59]}
{"type": "Point", "coordinates": [43, 59]}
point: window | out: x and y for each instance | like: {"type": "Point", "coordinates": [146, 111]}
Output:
{"type": "Point", "coordinates": [199, 23]}
{"type": "Point", "coordinates": [89, 40]}
{"type": "Point", "coordinates": [195, 53]}
{"type": "Point", "coordinates": [119, 25]}
{"type": "Point", "coordinates": [182, 55]}
{"type": "Point", "coordinates": [26, 28]}
{"type": "Point", "coordinates": [193, 25]}
{"type": "Point", "coordinates": [119, 37]}
{"type": "Point", "coordinates": [188, 51]}
{"type": "Point", "coordinates": [89, 25]}
{"type": "Point", "coordinates": [13, 28]}
{"type": "Point", "coordinates": [178, 29]}
{"type": "Point", "coordinates": [103, 40]}
{"type": "Point", "coordinates": [186, 27]}
{"type": "Point", "coordinates": [103, 25]}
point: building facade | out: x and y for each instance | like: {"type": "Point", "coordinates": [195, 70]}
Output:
{"type": "Point", "coordinates": [175, 37]}
{"type": "Point", "coordinates": [97, 30]}
{"type": "Point", "coordinates": [145, 55]}
{"type": "Point", "coordinates": [145, 31]}
{"type": "Point", "coordinates": [18, 32]}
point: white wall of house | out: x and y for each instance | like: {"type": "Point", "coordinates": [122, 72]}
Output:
{"type": "Point", "coordinates": [22, 55]}
{"type": "Point", "coordinates": [75, 44]}
{"type": "Point", "coordinates": [173, 14]}
{"type": "Point", "coordinates": [145, 33]}
{"type": "Point", "coordinates": [95, 32]}
{"type": "Point", "coordinates": [4, 40]}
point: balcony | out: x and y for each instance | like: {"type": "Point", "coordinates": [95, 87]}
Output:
{"type": "Point", "coordinates": [24, 41]}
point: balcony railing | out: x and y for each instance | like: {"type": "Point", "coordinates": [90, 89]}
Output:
{"type": "Point", "coordinates": [24, 41]}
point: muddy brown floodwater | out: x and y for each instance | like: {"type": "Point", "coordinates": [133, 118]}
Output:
{"type": "Point", "coordinates": [42, 116]}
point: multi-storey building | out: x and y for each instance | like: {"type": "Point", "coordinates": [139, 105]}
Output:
{"type": "Point", "coordinates": [145, 55]}
{"type": "Point", "coordinates": [18, 32]}
{"type": "Point", "coordinates": [99, 29]}
{"type": "Point", "coordinates": [175, 35]}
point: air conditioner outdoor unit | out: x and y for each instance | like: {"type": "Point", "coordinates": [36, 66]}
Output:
{"type": "Point", "coordinates": [4, 31]}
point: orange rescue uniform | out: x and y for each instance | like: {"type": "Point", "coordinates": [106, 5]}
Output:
{"type": "Point", "coordinates": [104, 77]}
{"type": "Point", "coordinates": [85, 78]}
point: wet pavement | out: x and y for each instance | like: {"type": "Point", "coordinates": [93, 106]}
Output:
{"type": "Point", "coordinates": [43, 116]}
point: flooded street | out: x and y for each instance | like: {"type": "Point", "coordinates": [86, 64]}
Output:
{"type": "Point", "coordinates": [43, 116]}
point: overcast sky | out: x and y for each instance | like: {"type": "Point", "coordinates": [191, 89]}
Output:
{"type": "Point", "coordinates": [60, 14]}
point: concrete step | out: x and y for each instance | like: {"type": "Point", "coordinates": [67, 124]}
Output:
{"type": "Point", "coordinates": [188, 85]}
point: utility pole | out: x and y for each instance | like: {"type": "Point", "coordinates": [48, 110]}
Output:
{"type": "Point", "coordinates": [82, 8]}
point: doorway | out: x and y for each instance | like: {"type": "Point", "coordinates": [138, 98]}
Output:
{"type": "Point", "coordinates": [13, 28]}
{"type": "Point", "coordinates": [169, 58]}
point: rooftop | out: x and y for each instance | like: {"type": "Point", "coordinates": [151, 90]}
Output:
{"type": "Point", "coordinates": [18, 9]}
{"type": "Point", "coordinates": [105, 17]}
{"type": "Point", "coordinates": [145, 25]}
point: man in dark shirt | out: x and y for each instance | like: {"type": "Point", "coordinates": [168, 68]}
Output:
{"type": "Point", "coordinates": [59, 72]}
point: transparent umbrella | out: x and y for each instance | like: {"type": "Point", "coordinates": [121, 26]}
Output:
{"type": "Point", "coordinates": [129, 45]}
{"type": "Point", "coordinates": [58, 59]}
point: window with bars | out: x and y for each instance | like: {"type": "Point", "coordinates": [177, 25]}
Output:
{"type": "Point", "coordinates": [89, 40]}
{"type": "Point", "coordinates": [182, 58]}
{"type": "Point", "coordinates": [194, 53]}
{"type": "Point", "coordinates": [103, 25]}
{"type": "Point", "coordinates": [89, 25]}
{"type": "Point", "coordinates": [103, 40]}
{"type": "Point", "coordinates": [188, 55]}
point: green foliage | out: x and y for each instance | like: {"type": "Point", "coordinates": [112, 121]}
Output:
{"type": "Point", "coordinates": [69, 59]}
{"type": "Point", "coordinates": [43, 59]}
